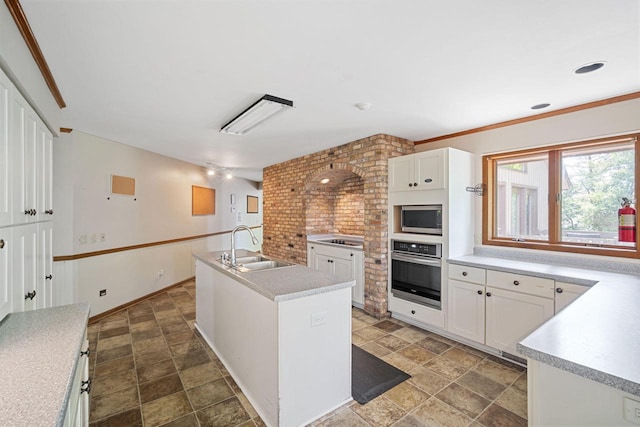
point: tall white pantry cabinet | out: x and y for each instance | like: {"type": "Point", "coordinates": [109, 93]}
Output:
{"type": "Point", "coordinates": [26, 205]}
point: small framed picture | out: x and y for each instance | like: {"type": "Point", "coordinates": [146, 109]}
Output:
{"type": "Point", "coordinates": [252, 204]}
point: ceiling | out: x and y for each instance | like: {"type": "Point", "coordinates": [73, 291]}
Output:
{"type": "Point", "coordinates": [166, 75]}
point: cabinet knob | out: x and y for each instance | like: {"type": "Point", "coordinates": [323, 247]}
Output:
{"type": "Point", "coordinates": [1, 243]}
{"type": "Point", "coordinates": [49, 277]}
{"type": "Point", "coordinates": [351, 254]}
{"type": "Point", "coordinates": [479, 292]}
{"type": "Point", "coordinates": [515, 282]}
{"type": "Point", "coordinates": [559, 290]}
{"type": "Point", "coordinates": [312, 247]}
{"type": "Point", "coordinates": [488, 294]}
{"type": "Point", "coordinates": [415, 184]}
{"type": "Point", "coordinates": [413, 312]}
{"type": "Point", "coordinates": [410, 185]}
{"type": "Point", "coordinates": [464, 273]}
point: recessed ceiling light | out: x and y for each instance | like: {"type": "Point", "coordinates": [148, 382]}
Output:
{"type": "Point", "coordinates": [324, 180]}
{"type": "Point", "coordinates": [211, 172]}
{"type": "Point", "coordinates": [540, 106]}
{"type": "Point", "coordinates": [588, 68]}
{"type": "Point", "coordinates": [229, 176]}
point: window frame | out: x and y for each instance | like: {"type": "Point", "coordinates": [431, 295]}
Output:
{"type": "Point", "coordinates": [554, 154]}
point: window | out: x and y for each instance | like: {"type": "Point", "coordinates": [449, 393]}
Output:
{"type": "Point", "coordinates": [563, 198]}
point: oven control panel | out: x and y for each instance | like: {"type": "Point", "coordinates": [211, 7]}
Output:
{"type": "Point", "coordinates": [428, 249]}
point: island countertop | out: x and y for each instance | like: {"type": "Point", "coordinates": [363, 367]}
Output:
{"type": "Point", "coordinates": [39, 351]}
{"type": "Point", "coordinates": [277, 284]}
{"type": "Point", "coordinates": [597, 336]}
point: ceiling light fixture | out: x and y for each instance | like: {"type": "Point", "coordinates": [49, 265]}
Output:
{"type": "Point", "coordinates": [257, 113]}
{"type": "Point", "coordinates": [324, 180]}
{"type": "Point", "coordinates": [211, 172]}
{"type": "Point", "coordinates": [540, 106]}
{"type": "Point", "coordinates": [588, 68]}
{"type": "Point", "coordinates": [229, 176]}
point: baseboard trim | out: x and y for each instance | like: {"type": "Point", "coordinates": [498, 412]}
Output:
{"type": "Point", "coordinates": [108, 313]}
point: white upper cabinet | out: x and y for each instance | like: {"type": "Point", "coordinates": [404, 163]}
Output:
{"type": "Point", "coordinates": [420, 171]}
{"type": "Point", "coordinates": [6, 212]}
{"type": "Point", "coordinates": [31, 143]}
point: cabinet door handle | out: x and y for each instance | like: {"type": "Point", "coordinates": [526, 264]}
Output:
{"type": "Point", "coordinates": [559, 290]}
{"type": "Point", "coordinates": [488, 294]}
{"type": "Point", "coordinates": [49, 277]}
{"type": "Point", "coordinates": [428, 180]}
{"type": "Point", "coordinates": [515, 282]}
{"type": "Point", "coordinates": [86, 386]}
{"type": "Point", "coordinates": [1, 243]}
{"type": "Point", "coordinates": [413, 312]}
{"type": "Point", "coordinates": [87, 352]}
{"type": "Point", "coordinates": [479, 292]}
{"type": "Point", "coordinates": [49, 211]}
{"type": "Point", "coordinates": [464, 273]}
{"type": "Point", "coordinates": [30, 295]}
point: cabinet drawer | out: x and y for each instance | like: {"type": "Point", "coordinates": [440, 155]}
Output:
{"type": "Point", "coordinates": [418, 312]}
{"type": "Point", "coordinates": [467, 274]}
{"type": "Point", "coordinates": [518, 283]}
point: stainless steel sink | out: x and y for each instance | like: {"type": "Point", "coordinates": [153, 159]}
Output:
{"type": "Point", "coordinates": [263, 265]}
{"type": "Point", "coordinates": [248, 259]}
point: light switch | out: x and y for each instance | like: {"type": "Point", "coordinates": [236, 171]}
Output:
{"type": "Point", "coordinates": [632, 410]}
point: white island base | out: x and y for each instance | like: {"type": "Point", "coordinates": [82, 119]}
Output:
{"type": "Point", "coordinates": [290, 356]}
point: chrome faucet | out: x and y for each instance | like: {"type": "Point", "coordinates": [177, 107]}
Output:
{"type": "Point", "coordinates": [254, 239]}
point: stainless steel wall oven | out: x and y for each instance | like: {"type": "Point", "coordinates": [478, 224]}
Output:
{"type": "Point", "coordinates": [416, 272]}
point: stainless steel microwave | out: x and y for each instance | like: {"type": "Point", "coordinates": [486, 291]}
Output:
{"type": "Point", "coordinates": [423, 219]}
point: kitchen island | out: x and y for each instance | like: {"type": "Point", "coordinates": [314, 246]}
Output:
{"type": "Point", "coordinates": [284, 335]}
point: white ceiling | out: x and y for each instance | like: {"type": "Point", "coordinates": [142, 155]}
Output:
{"type": "Point", "coordinates": [166, 75]}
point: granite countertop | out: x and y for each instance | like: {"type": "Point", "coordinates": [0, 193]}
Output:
{"type": "Point", "coordinates": [39, 351]}
{"type": "Point", "coordinates": [597, 336]}
{"type": "Point", "coordinates": [277, 284]}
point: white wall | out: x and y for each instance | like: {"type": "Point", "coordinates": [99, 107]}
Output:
{"type": "Point", "coordinates": [85, 209]}
{"type": "Point", "coordinates": [613, 119]}
{"type": "Point", "coordinates": [18, 64]}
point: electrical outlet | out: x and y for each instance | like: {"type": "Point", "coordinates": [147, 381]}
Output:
{"type": "Point", "coordinates": [631, 410]}
{"type": "Point", "coordinates": [318, 319]}
{"type": "Point", "coordinates": [103, 292]}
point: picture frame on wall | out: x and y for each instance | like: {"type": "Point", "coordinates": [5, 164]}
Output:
{"type": "Point", "coordinates": [252, 204]}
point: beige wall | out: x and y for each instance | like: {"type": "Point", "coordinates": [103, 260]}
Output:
{"type": "Point", "coordinates": [614, 119]}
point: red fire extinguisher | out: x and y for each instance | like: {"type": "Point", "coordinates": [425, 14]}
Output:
{"type": "Point", "coordinates": [626, 222]}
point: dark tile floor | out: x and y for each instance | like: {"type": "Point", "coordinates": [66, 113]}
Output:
{"type": "Point", "coordinates": [150, 368]}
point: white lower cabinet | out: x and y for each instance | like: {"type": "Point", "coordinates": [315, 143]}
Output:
{"type": "Point", "coordinates": [345, 263]}
{"type": "Point", "coordinates": [6, 245]}
{"type": "Point", "coordinates": [566, 293]}
{"type": "Point", "coordinates": [77, 413]}
{"type": "Point", "coordinates": [495, 316]}
{"type": "Point", "coordinates": [24, 267]}
{"type": "Point", "coordinates": [511, 316]}
{"type": "Point", "coordinates": [466, 310]}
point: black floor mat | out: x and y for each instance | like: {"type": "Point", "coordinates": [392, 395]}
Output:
{"type": "Point", "coordinates": [370, 376]}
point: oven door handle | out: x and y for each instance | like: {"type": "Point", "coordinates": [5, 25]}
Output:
{"type": "Point", "coordinates": [416, 260]}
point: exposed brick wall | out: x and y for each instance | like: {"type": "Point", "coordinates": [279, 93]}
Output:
{"type": "Point", "coordinates": [348, 208]}
{"type": "Point", "coordinates": [295, 205]}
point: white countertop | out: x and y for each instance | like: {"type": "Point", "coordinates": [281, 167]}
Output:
{"type": "Point", "coordinates": [597, 336]}
{"type": "Point", "coordinates": [39, 351]}
{"type": "Point", "coordinates": [278, 284]}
